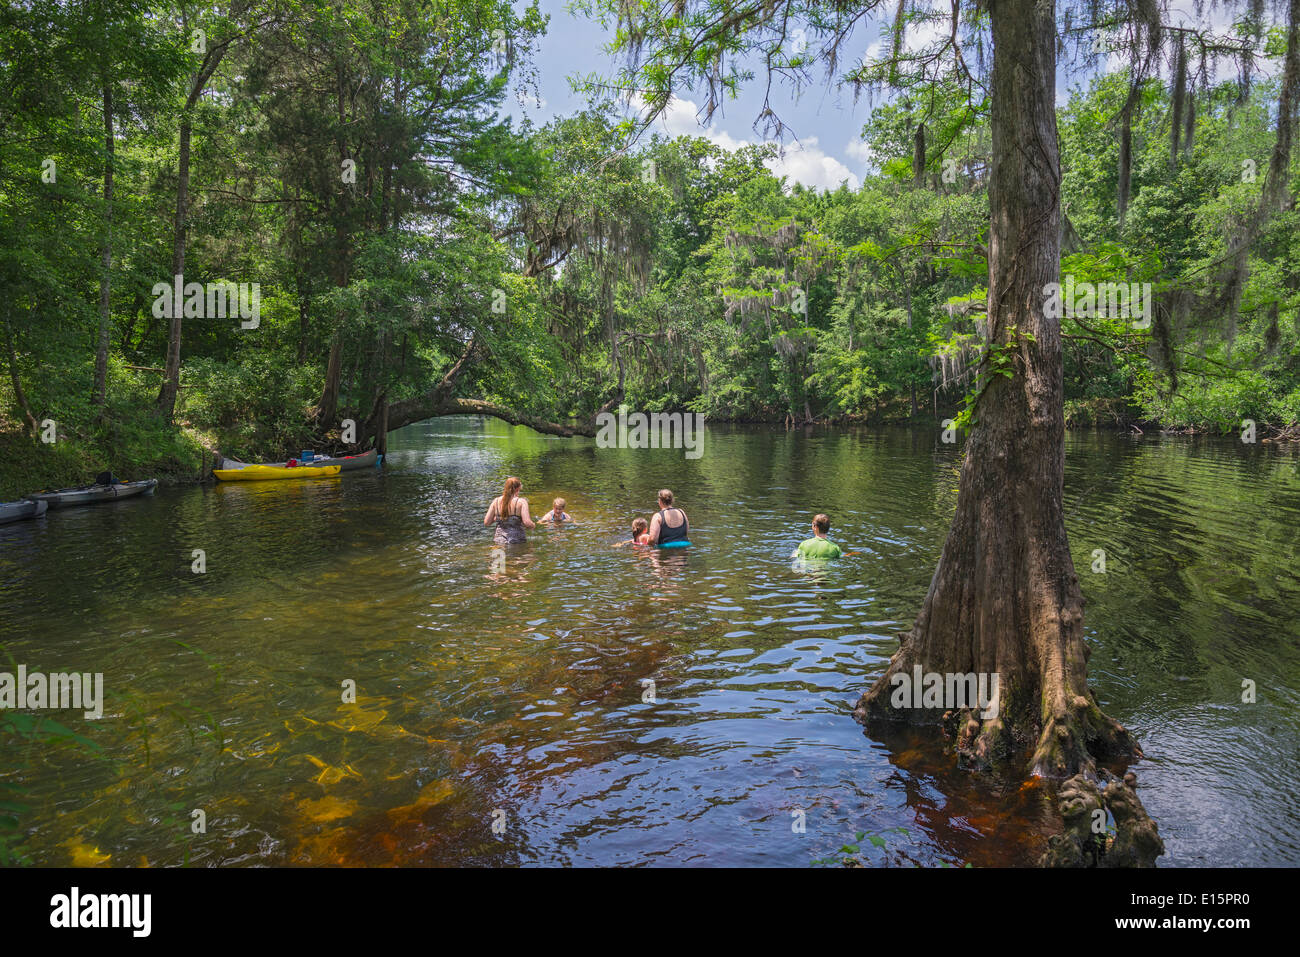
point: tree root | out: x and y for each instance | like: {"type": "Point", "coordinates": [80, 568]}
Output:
{"type": "Point", "coordinates": [1069, 735]}
{"type": "Point", "coordinates": [1088, 841]}
{"type": "Point", "coordinates": [981, 743]}
{"type": "Point", "coordinates": [1073, 736]}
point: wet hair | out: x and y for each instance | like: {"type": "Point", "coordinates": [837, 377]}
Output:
{"type": "Point", "coordinates": [822, 522]}
{"type": "Point", "coordinates": [639, 525]}
{"type": "Point", "coordinates": [559, 504]}
{"type": "Point", "coordinates": [665, 497]}
{"type": "Point", "coordinates": [512, 487]}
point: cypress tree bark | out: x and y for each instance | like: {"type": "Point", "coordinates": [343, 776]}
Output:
{"type": "Point", "coordinates": [1005, 598]}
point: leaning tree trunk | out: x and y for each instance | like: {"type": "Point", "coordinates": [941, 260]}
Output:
{"type": "Point", "coordinates": [1005, 599]}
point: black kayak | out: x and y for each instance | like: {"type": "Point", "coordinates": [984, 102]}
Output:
{"type": "Point", "coordinates": [89, 494]}
{"type": "Point", "coordinates": [17, 511]}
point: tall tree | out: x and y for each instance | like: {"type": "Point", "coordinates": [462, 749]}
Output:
{"type": "Point", "coordinates": [208, 38]}
{"type": "Point", "coordinates": [1005, 596]}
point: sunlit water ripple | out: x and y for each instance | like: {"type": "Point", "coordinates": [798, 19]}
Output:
{"type": "Point", "coordinates": [518, 697]}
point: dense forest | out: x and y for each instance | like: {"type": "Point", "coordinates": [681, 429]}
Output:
{"type": "Point", "coordinates": [264, 225]}
{"type": "Point", "coordinates": [403, 251]}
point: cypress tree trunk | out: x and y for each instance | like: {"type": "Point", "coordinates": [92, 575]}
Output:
{"type": "Point", "coordinates": [1005, 598]}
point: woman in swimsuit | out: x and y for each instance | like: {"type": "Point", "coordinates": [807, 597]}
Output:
{"type": "Point", "coordinates": [669, 523]}
{"type": "Point", "coordinates": [510, 512]}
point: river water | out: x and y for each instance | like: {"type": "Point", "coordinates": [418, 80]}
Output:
{"type": "Point", "coordinates": [503, 711]}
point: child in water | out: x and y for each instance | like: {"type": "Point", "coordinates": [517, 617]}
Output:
{"type": "Point", "coordinates": [819, 546]}
{"type": "Point", "coordinates": [557, 514]}
{"type": "Point", "coordinates": [640, 533]}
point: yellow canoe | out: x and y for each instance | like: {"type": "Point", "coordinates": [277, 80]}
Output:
{"type": "Point", "coordinates": [271, 473]}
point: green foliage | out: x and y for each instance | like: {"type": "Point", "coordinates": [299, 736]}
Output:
{"type": "Point", "coordinates": [253, 405]}
{"type": "Point", "coordinates": [577, 263]}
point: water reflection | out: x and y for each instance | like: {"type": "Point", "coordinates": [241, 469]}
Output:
{"type": "Point", "coordinates": [507, 686]}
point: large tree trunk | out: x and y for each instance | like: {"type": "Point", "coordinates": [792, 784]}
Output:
{"type": "Point", "coordinates": [1005, 599]}
{"type": "Point", "coordinates": [100, 395]}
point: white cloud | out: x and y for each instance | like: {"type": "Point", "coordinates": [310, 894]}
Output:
{"type": "Point", "coordinates": [806, 163]}
{"type": "Point", "coordinates": [803, 162]}
{"type": "Point", "coordinates": [860, 151]}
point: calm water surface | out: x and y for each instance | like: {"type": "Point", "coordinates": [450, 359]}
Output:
{"type": "Point", "coordinates": [514, 694]}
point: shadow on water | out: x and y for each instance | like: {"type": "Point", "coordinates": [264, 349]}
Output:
{"type": "Point", "coordinates": [571, 702]}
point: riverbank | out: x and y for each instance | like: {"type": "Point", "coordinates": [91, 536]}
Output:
{"type": "Point", "coordinates": [175, 455]}
{"type": "Point", "coordinates": [140, 446]}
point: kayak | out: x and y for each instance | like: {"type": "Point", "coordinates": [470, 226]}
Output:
{"type": "Point", "coordinates": [90, 494]}
{"type": "Point", "coordinates": [17, 511]}
{"type": "Point", "coordinates": [345, 462]}
{"type": "Point", "coordinates": [271, 473]}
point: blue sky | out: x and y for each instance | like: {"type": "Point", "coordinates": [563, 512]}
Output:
{"type": "Point", "coordinates": [826, 123]}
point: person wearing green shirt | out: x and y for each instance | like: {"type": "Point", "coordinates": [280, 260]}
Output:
{"type": "Point", "coordinates": [819, 546]}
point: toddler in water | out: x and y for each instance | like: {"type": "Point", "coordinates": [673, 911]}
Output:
{"type": "Point", "coordinates": [640, 533]}
{"type": "Point", "coordinates": [557, 514]}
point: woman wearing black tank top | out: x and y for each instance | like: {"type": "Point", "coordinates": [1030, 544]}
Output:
{"type": "Point", "coordinates": [670, 523]}
{"type": "Point", "coordinates": [510, 513]}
